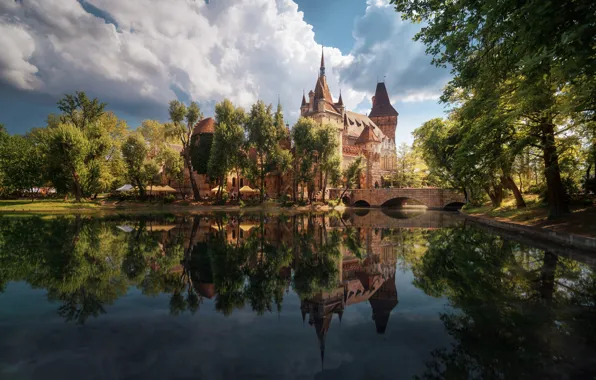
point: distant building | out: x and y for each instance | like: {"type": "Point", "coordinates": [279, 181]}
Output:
{"type": "Point", "coordinates": [372, 136]}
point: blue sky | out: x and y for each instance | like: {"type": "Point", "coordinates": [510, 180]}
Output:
{"type": "Point", "coordinates": [137, 55]}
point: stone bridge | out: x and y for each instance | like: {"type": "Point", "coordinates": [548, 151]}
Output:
{"type": "Point", "coordinates": [386, 218]}
{"type": "Point", "coordinates": [398, 197]}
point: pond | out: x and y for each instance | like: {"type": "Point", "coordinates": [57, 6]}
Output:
{"type": "Point", "coordinates": [360, 295]}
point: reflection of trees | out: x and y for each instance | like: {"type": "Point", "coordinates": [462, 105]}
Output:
{"type": "Point", "coordinates": [519, 308]}
{"type": "Point", "coordinates": [410, 245]}
{"type": "Point", "coordinates": [84, 264]}
{"type": "Point", "coordinates": [316, 259]}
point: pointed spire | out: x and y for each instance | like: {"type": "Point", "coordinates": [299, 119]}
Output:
{"type": "Point", "coordinates": [340, 101]}
{"type": "Point", "coordinates": [303, 99]}
{"type": "Point", "coordinates": [322, 69]}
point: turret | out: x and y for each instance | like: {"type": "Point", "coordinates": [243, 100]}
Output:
{"type": "Point", "coordinates": [382, 113]}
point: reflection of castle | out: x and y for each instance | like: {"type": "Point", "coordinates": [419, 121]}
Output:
{"type": "Point", "coordinates": [360, 282]}
{"type": "Point", "coordinates": [370, 277]}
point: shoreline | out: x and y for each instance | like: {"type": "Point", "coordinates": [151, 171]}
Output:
{"type": "Point", "coordinates": [563, 239]}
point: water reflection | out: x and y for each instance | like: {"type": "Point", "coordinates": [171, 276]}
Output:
{"type": "Point", "coordinates": [513, 311]}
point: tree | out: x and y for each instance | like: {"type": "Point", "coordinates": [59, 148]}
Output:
{"type": "Point", "coordinates": [437, 141]}
{"type": "Point", "coordinates": [410, 168]}
{"type": "Point", "coordinates": [139, 171]}
{"type": "Point", "coordinates": [494, 55]}
{"type": "Point", "coordinates": [67, 149]}
{"type": "Point", "coordinates": [351, 175]}
{"type": "Point", "coordinates": [20, 160]}
{"type": "Point", "coordinates": [228, 142]}
{"type": "Point", "coordinates": [328, 161]}
{"type": "Point", "coordinates": [79, 110]}
{"type": "Point", "coordinates": [304, 145]}
{"type": "Point", "coordinates": [262, 136]}
{"type": "Point", "coordinates": [183, 121]}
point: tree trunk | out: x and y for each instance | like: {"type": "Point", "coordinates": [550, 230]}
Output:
{"type": "Point", "coordinates": [586, 189]}
{"type": "Point", "coordinates": [262, 175]}
{"type": "Point", "coordinates": [195, 188]}
{"type": "Point", "coordinates": [510, 184]}
{"type": "Point", "coordinates": [77, 186]}
{"type": "Point", "coordinates": [554, 186]}
{"type": "Point", "coordinates": [495, 195]}
{"type": "Point", "coordinates": [547, 276]}
{"type": "Point", "coordinates": [324, 187]}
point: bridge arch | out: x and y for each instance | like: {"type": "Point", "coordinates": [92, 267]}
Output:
{"type": "Point", "coordinates": [454, 206]}
{"type": "Point", "coordinates": [360, 203]}
{"type": "Point", "coordinates": [401, 202]}
{"type": "Point", "coordinates": [433, 198]}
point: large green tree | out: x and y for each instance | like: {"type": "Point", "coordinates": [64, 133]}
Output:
{"type": "Point", "coordinates": [183, 120]}
{"type": "Point", "coordinates": [20, 163]}
{"type": "Point", "coordinates": [544, 71]}
{"type": "Point", "coordinates": [228, 142]}
{"type": "Point", "coordinates": [134, 151]}
{"type": "Point", "coordinates": [263, 137]}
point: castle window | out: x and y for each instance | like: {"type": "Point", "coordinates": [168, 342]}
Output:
{"type": "Point", "coordinates": [233, 181]}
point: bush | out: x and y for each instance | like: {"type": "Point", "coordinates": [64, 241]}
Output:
{"type": "Point", "coordinates": [241, 203]}
{"type": "Point", "coordinates": [170, 198]}
{"type": "Point", "coordinates": [333, 202]}
{"type": "Point", "coordinates": [536, 189]}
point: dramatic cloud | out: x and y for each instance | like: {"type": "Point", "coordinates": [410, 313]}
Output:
{"type": "Point", "coordinates": [384, 51]}
{"type": "Point", "coordinates": [138, 54]}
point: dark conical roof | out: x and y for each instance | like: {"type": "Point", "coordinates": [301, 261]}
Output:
{"type": "Point", "coordinates": [366, 136]}
{"type": "Point", "coordinates": [381, 104]}
{"type": "Point", "coordinates": [383, 302]}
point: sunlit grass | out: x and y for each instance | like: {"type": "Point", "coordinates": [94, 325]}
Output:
{"type": "Point", "coordinates": [45, 205]}
{"type": "Point", "coordinates": [534, 210]}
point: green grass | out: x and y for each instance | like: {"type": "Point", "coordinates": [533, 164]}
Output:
{"type": "Point", "coordinates": [533, 211]}
{"type": "Point", "coordinates": [45, 205]}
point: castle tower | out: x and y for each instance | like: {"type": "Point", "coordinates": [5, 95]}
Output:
{"type": "Point", "coordinates": [382, 113]}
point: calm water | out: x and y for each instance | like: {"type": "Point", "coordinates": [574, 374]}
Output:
{"type": "Point", "coordinates": [372, 295]}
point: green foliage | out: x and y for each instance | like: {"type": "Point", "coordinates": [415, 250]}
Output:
{"type": "Point", "coordinates": [228, 140]}
{"type": "Point", "coordinates": [201, 152]}
{"type": "Point", "coordinates": [139, 171]}
{"type": "Point", "coordinates": [410, 168]}
{"type": "Point", "coordinates": [183, 120]}
{"type": "Point", "coordinates": [20, 163]}
{"type": "Point", "coordinates": [262, 136]}
{"type": "Point", "coordinates": [351, 174]}
{"type": "Point", "coordinates": [513, 86]}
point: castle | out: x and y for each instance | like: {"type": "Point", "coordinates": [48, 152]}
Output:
{"type": "Point", "coordinates": [372, 136]}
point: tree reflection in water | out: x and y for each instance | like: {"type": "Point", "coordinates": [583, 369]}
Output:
{"type": "Point", "coordinates": [516, 311]}
{"type": "Point", "coordinates": [520, 312]}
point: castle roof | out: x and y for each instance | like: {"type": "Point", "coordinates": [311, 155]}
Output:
{"type": "Point", "coordinates": [322, 91]}
{"type": "Point", "coordinates": [381, 104]}
{"type": "Point", "coordinates": [367, 136]}
{"type": "Point", "coordinates": [204, 126]}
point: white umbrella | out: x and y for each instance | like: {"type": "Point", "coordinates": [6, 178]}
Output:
{"type": "Point", "coordinates": [126, 187]}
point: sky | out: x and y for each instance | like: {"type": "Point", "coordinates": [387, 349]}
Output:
{"type": "Point", "coordinates": [136, 55]}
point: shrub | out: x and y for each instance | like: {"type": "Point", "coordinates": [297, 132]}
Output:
{"type": "Point", "coordinates": [333, 202]}
{"type": "Point", "coordinates": [170, 198]}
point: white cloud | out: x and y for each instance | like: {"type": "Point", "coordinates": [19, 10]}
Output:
{"type": "Point", "coordinates": [139, 52]}
{"type": "Point", "coordinates": [421, 96]}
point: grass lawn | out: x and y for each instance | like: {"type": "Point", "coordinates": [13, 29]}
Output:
{"type": "Point", "coordinates": [45, 205]}
{"type": "Point", "coordinates": [581, 220]}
